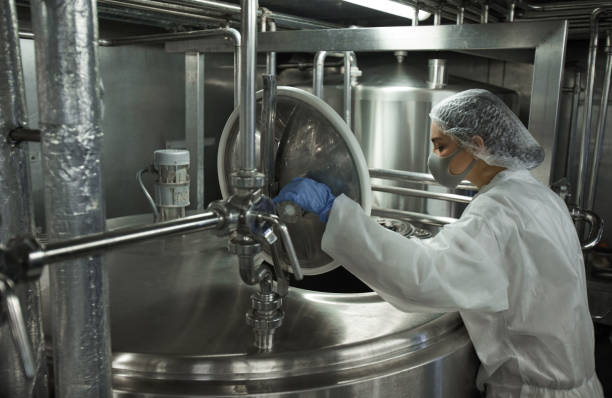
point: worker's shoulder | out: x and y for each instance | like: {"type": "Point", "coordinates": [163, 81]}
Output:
{"type": "Point", "coordinates": [520, 197]}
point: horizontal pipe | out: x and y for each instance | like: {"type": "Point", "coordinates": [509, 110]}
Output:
{"type": "Point", "coordinates": [97, 243]}
{"type": "Point", "coordinates": [418, 193]}
{"type": "Point", "coordinates": [412, 216]}
{"type": "Point", "coordinates": [411, 176]}
{"type": "Point", "coordinates": [163, 10]}
{"type": "Point", "coordinates": [284, 20]}
{"type": "Point", "coordinates": [564, 5]}
{"type": "Point", "coordinates": [163, 37]}
{"type": "Point", "coordinates": [21, 134]}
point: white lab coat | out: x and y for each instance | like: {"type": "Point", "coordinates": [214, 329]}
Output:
{"type": "Point", "coordinates": [511, 265]}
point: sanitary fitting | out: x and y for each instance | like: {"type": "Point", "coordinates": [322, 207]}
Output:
{"type": "Point", "coordinates": [247, 180]}
{"type": "Point", "coordinates": [14, 260]}
{"type": "Point", "coordinates": [265, 317]}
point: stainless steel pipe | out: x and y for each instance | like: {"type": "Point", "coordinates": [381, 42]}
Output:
{"type": "Point", "coordinates": [418, 193]}
{"type": "Point", "coordinates": [412, 216]}
{"type": "Point", "coordinates": [16, 215]}
{"type": "Point", "coordinates": [70, 109]}
{"type": "Point", "coordinates": [101, 242]}
{"type": "Point", "coordinates": [285, 20]}
{"type": "Point", "coordinates": [347, 88]}
{"type": "Point", "coordinates": [160, 8]}
{"type": "Point", "coordinates": [248, 74]}
{"type": "Point", "coordinates": [577, 89]}
{"type": "Point", "coordinates": [268, 24]}
{"type": "Point", "coordinates": [601, 125]}
{"type": "Point", "coordinates": [268, 116]}
{"type": "Point", "coordinates": [564, 5]}
{"type": "Point", "coordinates": [350, 60]}
{"type": "Point", "coordinates": [411, 176]}
{"type": "Point", "coordinates": [588, 113]}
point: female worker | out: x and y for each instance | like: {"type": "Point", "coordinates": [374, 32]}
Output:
{"type": "Point", "coordinates": [511, 265]}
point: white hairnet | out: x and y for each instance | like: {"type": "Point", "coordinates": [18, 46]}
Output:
{"type": "Point", "coordinates": [507, 143]}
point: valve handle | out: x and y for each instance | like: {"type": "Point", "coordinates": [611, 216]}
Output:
{"type": "Point", "coordinates": [9, 303]}
{"type": "Point", "coordinates": [596, 226]}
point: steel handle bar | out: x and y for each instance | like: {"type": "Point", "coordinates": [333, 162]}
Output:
{"type": "Point", "coordinates": [422, 194]}
{"type": "Point", "coordinates": [95, 243]}
{"type": "Point", "coordinates": [411, 176]}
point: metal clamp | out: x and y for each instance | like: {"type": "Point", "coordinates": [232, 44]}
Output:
{"type": "Point", "coordinates": [10, 310]}
{"type": "Point", "coordinates": [595, 222]}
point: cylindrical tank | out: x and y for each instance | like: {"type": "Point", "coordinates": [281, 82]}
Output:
{"type": "Point", "coordinates": [391, 105]}
{"type": "Point", "coordinates": [391, 121]}
{"type": "Point", "coordinates": [178, 330]}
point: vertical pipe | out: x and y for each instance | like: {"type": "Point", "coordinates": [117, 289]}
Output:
{"type": "Point", "coordinates": [268, 111]}
{"type": "Point", "coordinates": [237, 63]}
{"type": "Point", "coordinates": [317, 84]}
{"type": "Point", "coordinates": [271, 57]}
{"type": "Point", "coordinates": [511, 11]}
{"type": "Point", "coordinates": [588, 108]}
{"type": "Point", "coordinates": [70, 108]}
{"type": "Point", "coordinates": [460, 12]}
{"type": "Point", "coordinates": [415, 20]}
{"type": "Point", "coordinates": [573, 123]}
{"type": "Point", "coordinates": [437, 16]}
{"type": "Point", "coordinates": [601, 126]}
{"type": "Point", "coordinates": [347, 88]}
{"type": "Point", "coordinates": [16, 213]}
{"type": "Point", "coordinates": [484, 15]}
{"type": "Point", "coordinates": [248, 75]}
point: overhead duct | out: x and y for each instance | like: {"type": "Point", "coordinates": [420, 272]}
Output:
{"type": "Point", "coordinates": [70, 109]}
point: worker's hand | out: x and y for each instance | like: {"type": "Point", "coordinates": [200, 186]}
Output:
{"type": "Point", "coordinates": [310, 195]}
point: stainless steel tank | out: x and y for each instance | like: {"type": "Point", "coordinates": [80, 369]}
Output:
{"type": "Point", "coordinates": [391, 121]}
{"type": "Point", "coordinates": [178, 330]}
{"type": "Point", "coordinates": [391, 105]}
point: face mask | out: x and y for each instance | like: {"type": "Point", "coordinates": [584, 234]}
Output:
{"type": "Point", "coordinates": [439, 169]}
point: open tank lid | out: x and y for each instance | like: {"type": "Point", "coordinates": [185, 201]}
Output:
{"type": "Point", "coordinates": [311, 140]}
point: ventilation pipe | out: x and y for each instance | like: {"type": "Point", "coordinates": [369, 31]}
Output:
{"type": "Point", "coordinates": [70, 108]}
{"type": "Point", "coordinates": [16, 216]}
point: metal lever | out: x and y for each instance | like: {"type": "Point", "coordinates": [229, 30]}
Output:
{"type": "Point", "coordinates": [9, 303]}
{"type": "Point", "coordinates": [283, 231]}
{"type": "Point", "coordinates": [596, 226]}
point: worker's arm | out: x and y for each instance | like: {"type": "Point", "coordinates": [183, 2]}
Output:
{"type": "Point", "coordinates": [458, 269]}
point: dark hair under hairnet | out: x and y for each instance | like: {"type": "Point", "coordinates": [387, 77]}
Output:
{"type": "Point", "coordinates": [507, 143]}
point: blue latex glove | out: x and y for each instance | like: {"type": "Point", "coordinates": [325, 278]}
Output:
{"type": "Point", "coordinates": [310, 195]}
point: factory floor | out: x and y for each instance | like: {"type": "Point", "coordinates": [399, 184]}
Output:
{"type": "Point", "coordinates": [603, 357]}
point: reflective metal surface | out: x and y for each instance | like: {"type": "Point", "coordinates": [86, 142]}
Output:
{"type": "Point", "coordinates": [70, 107]}
{"type": "Point", "coordinates": [548, 39]}
{"type": "Point", "coordinates": [392, 104]}
{"type": "Point", "coordinates": [178, 330]}
{"type": "Point", "coordinates": [313, 141]}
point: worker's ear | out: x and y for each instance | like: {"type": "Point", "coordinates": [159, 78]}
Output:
{"type": "Point", "coordinates": [478, 143]}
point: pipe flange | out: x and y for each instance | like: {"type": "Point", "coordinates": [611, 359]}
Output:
{"type": "Point", "coordinates": [244, 246]}
{"type": "Point", "coordinates": [268, 323]}
{"type": "Point", "coordinates": [247, 180]}
{"type": "Point", "coordinates": [15, 259]}
{"type": "Point", "coordinates": [229, 214]}
{"type": "Point", "coordinates": [266, 303]}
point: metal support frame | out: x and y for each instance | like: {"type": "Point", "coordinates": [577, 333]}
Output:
{"type": "Point", "coordinates": [194, 125]}
{"type": "Point", "coordinates": [547, 39]}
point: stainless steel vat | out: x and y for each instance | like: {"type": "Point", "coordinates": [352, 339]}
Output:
{"type": "Point", "coordinates": [391, 105]}
{"type": "Point", "coordinates": [178, 330]}
{"type": "Point", "coordinates": [391, 122]}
